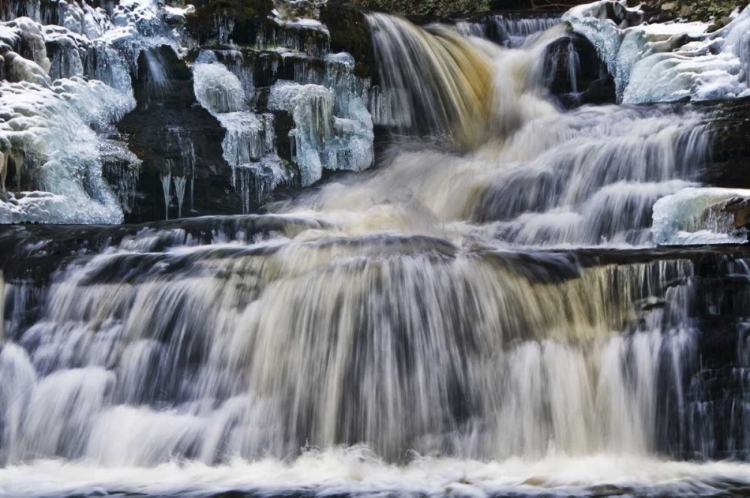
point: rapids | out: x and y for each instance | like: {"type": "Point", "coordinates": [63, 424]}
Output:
{"type": "Point", "coordinates": [514, 297]}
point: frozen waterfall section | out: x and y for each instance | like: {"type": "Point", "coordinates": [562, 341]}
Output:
{"type": "Point", "coordinates": [290, 73]}
{"type": "Point", "coordinates": [287, 108]}
{"type": "Point", "coordinates": [66, 80]}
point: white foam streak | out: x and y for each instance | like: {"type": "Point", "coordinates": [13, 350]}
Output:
{"type": "Point", "coordinates": [356, 472]}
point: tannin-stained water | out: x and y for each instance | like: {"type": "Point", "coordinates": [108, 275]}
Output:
{"type": "Point", "coordinates": [456, 321]}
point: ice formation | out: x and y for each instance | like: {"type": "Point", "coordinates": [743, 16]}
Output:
{"type": "Point", "coordinates": [697, 216]}
{"type": "Point", "coordinates": [65, 84]}
{"type": "Point", "coordinates": [322, 140]}
{"type": "Point", "coordinates": [333, 128]}
{"type": "Point", "coordinates": [250, 142]}
{"type": "Point", "coordinates": [666, 62]}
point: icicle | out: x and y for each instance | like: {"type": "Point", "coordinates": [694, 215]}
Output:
{"type": "Point", "coordinates": [166, 184]}
{"type": "Point", "coordinates": [179, 188]}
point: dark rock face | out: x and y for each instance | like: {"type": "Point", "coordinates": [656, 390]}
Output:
{"type": "Point", "coordinates": [576, 75]}
{"type": "Point", "coordinates": [349, 33]}
{"type": "Point", "coordinates": [729, 129]}
{"type": "Point", "coordinates": [248, 23]}
{"type": "Point", "coordinates": [437, 8]}
{"type": "Point", "coordinates": [172, 134]}
{"type": "Point", "coordinates": [33, 253]}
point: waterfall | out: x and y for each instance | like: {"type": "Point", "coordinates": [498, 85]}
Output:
{"type": "Point", "coordinates": [2, 309]}
{"type": "Point", "coordinates": [179, 189]}
{"type": "Point", "coordinates": [157, 72]}
{"type": "Point", "coordinates": [276, 365]}
{"type": "Point", "coordinates": [496, 309]}
{"type": "Point", "coordinates": [446, 83]}
{"type": "Point", "coordinates": [574, 66]}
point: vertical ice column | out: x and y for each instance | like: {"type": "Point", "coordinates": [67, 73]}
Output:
{"type": "Point", "coordinates": [165, 184]}
{"type": "Point", "coordinates": [179, 189]}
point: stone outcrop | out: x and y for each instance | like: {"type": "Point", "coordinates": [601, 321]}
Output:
{"type": "Point", "coordinates": [589, 84]}
{"type": "Point", "coordinates": [729, 129]}
{"type": "Point", "coordinates": [168, 123]}
{"type": "Point", "coordinates": [435, 8]}
{"type": "Point", "coordinates": [717, 11]}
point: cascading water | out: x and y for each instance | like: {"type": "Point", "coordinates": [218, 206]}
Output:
{"type": "Point", "coordinates": [485, 313]}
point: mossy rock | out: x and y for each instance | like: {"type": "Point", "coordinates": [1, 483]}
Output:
{"type": "Point", "coordinates": [434, 8]}
{"type": "Point", "coordinates": [242, 15]}
{"type": "Point", "coordinates": [717, 11]}
{"type": "Point", "coordinates": [349, 33]}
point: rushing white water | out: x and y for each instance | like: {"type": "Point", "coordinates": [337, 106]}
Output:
{"type": "Point", "coordinates": [583, 178]}
{"type": "Point", "coordinates": [251, 370]}
{"type": "Point", "coordinates": [508, 30]}
{"type": "Point", "coordinates": [356, 472]}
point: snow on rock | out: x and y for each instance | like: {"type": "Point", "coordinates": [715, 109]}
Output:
{"type": "Point", "coordinates": [50, 130]}
{"type": "Point", "coordinates": [51, 118]}
{"type": "Point", "coordinates": [694, 216]}
{"type": "Point", "coordinates": [666, 62]}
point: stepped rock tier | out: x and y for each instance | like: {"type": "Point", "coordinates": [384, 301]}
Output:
{"type": "Point", "coordinates": [379, 248]}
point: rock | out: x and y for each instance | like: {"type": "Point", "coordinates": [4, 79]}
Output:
{"type": "Point", "coordinates": [224, 20]}
{"type": "Point", "coordinates": [692, 10]}
{"type": "Point", "coordinates": [437, 8]}
{"type": "Point", "coordinates": [350, 33]}
{"type": "Point", "coordinates": [729, 162]}
{"type": "Point", "coordinates": [299, 9]}
{"type": "Point", "coordinates": [173, 135]}
{"type": "Point", "coordinates": [600, 92]}
{"type": "Point", "coordinates": [592, 84]}
{"type": "Point", "coordinates": [739, 209]}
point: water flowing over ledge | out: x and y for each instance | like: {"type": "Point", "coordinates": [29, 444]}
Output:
{"type": "Point", "coordinates": [487, 311]}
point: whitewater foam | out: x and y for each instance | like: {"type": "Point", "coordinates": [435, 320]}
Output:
{"type": "Point", "coordinates": [357, 472]}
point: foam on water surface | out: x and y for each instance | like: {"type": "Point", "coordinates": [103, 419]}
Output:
{"type": "Point", "coordinates": [356, 472]}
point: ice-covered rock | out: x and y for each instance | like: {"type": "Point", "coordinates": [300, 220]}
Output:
{"type": "Point", "coordinates": [697, 216]}
{"type": "Point", "coordinates": [250, 143]}
{"type": "Point", "coordinates": [321, 139]}
{"type": "Point", "coordinates": [52, 142]}
{"type": "Point", "coordinates": [216, 88]}
{"type": "Point", "coordinates": [51, 117]}
{"type": "Point", "coordinates": [669, 61]}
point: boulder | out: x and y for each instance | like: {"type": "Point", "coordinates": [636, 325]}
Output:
{"type": "Point", "coordinates": [576, 75]}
